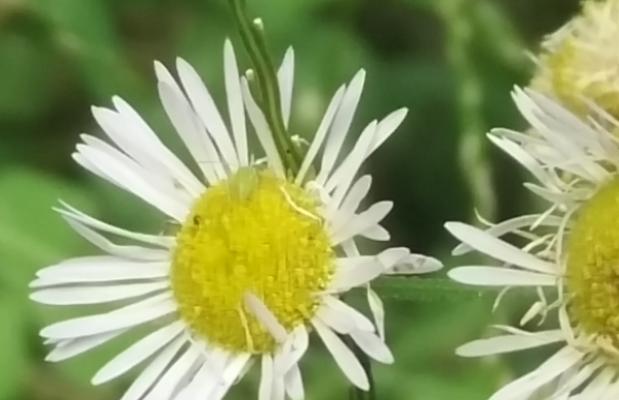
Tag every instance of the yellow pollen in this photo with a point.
(251, 234)
(593, 264)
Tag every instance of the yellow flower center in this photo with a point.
(593, 264)
(580, 61)
(251, 234)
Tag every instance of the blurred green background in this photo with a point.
(452, 62)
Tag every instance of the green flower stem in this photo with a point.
(253, 39)
(473, 149)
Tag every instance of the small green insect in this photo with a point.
(243, 183)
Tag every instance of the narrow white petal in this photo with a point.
(415, 264)
(511, 225)
(191, 132)
(341, 180)
(101, 269)
(266, 378)
(235, 103)
(345, 311)
(123, 318)
(496, 248)
(320, 134)
(363, 221)
(355, 271)
(377, 233)
(509, 343)
(387, 126)
(151, 373)
(294, 384)
(79, 216)
(265, 137)
(341, 124)
(164, 388)
(230, 375)
(373, 346)
(72, 347)
(130, 252)
(351, 202)
(499, 276)
(378, 311)
(265, 316)
(128, 178)
(343, 356)
(137, 352)
(96, 294)
(285, 78)
(207, 111)
(561, 361)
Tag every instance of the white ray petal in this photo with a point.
(128, 178)
(191, 132)
(130, 252)
(265, 316)
(386, 127)
(343, 356)
(100, 269)
(206, 109)
(125, 317)
(266, 378)
(341, 124)
(230, 375)
(285, 78)
(550, 369)
(415, 264)
(151, 373)
(73, 213)
(357, 320)
(176, 372)
(351, 202)
(265, 136)
(510, 225)
(378, 311)
(500, 276)
(509, 343)
(341, 180)
(138, 352)
(373, 346)
(66, 349)
(320, 134)
(355, 271)
(294, 384)
(360, 222)
(236, 110)
(95, 295)
(496, 248)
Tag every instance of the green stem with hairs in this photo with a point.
(253, 39)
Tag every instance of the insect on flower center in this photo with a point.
(593, 264)
(255, 234)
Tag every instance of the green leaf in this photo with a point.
(13, 347)
(417, 289)
(31, 234)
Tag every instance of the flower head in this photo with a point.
(260, 257)
(579, 60)
(568, 253)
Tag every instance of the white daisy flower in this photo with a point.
(569, 254)
(260, 259)
(579, 60)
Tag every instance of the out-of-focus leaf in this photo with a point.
(13, 346)
(85, 29)
(421, 289)
(31, 234)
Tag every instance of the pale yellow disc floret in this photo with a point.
(593, 265)
(580, 60)
(256, 234)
